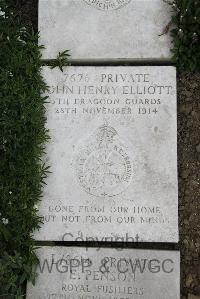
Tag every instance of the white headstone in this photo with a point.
(112, 155)
(105, 29)
(80, 273)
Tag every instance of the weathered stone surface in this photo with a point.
(74, 273)
(105, 29)
(112, 155)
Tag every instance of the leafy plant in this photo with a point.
(22, 139)
(186, 34)
(61, 60)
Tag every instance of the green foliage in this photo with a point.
(22, 138)
(186, 34)
(61, 60)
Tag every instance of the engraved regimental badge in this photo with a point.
(107, 4)
(102, 164)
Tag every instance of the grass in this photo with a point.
(22, 139)
(186, 34)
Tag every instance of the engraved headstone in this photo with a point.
(112, 155)
(80, 273)
(105, 29)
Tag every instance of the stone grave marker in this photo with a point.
(112, 154)
(105, 29)
(88, 273)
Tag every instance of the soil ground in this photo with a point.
(188, 88)
(189, 181)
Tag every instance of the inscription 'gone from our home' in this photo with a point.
(112, 155)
